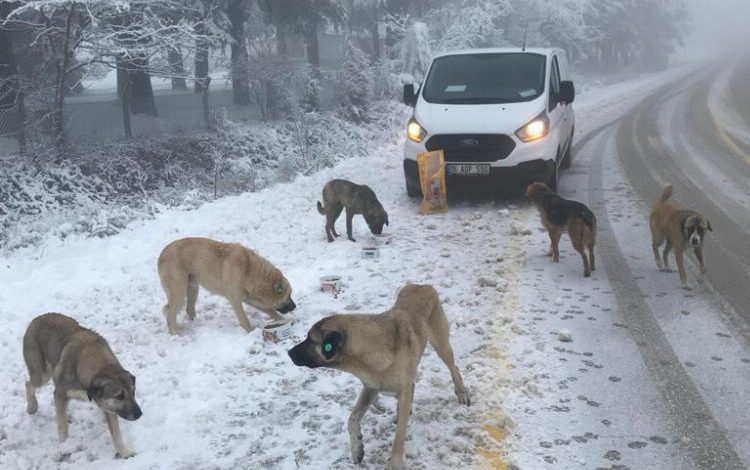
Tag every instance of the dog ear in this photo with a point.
(96, 387)
(708, 225)
(684, 226)
(332, 343)
(386, 219)
(132, 378)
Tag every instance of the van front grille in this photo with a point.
(472, 147)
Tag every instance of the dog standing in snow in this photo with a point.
(356, 199)
(559, 214)
(681, 229)
(227, 269)
(81, 365)
(383, 351)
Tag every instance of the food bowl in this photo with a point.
(370, 251)
(277, 332)
(383, 239)
(331, 284)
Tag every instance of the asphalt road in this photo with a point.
(695, 345)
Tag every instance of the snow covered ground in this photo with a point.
(215, 397)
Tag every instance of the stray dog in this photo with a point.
(383, 351)
(227, 269)
(81, 365)
(680, 229)
(356, 199)
(559, 214)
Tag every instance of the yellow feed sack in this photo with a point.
(432, 180)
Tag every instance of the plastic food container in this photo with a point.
(370, 251)
(331, 284)
(277, 332)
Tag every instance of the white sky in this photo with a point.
(719, 25)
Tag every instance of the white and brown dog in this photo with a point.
(681, 229)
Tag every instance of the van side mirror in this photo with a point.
(410, 96)
(567, 92)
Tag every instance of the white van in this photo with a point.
(503, 117)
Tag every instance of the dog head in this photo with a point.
(266, 288)
(536, 190)
(694, 229)
(113, 390)
(323, 347)
(376, 219)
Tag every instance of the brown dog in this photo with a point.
(81, 365)
(356, 199)
(680, 229)
(559, 214)
(227, 269)
(383, 351)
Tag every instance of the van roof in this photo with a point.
(546, 51)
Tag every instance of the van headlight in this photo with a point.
(415, 132)
(535, 129)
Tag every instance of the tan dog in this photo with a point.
(227, 269)
(81, 365)
(383, 351)
(559, 214)
(680, 229)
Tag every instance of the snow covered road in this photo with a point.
(656, 377)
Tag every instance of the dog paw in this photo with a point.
(358, 450)
(352, 239)
(396, 463)
(124, 454)
(587, 274)
(463, 397)
(330, 240)
(31, 407)
(666, 270)
(687, 286)
(703, 270)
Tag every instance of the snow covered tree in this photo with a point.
(354, 84)
(415, 51)
(124, 35)
(367, 15)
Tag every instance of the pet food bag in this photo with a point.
(432, 180)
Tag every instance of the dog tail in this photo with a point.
(590, 237)
(666, 193)
(321, 210)
(588, 218)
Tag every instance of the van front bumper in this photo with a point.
(500, 178)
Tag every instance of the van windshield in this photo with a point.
(485, 78)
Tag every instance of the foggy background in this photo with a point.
(717, 26)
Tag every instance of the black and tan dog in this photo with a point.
(559, 214)
(81, 365)
(680, 229)
(383, 351)
(356, 199)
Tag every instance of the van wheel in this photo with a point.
(554, 178)
(413, 192)
(567, 159)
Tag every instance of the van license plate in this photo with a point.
(468, 169)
